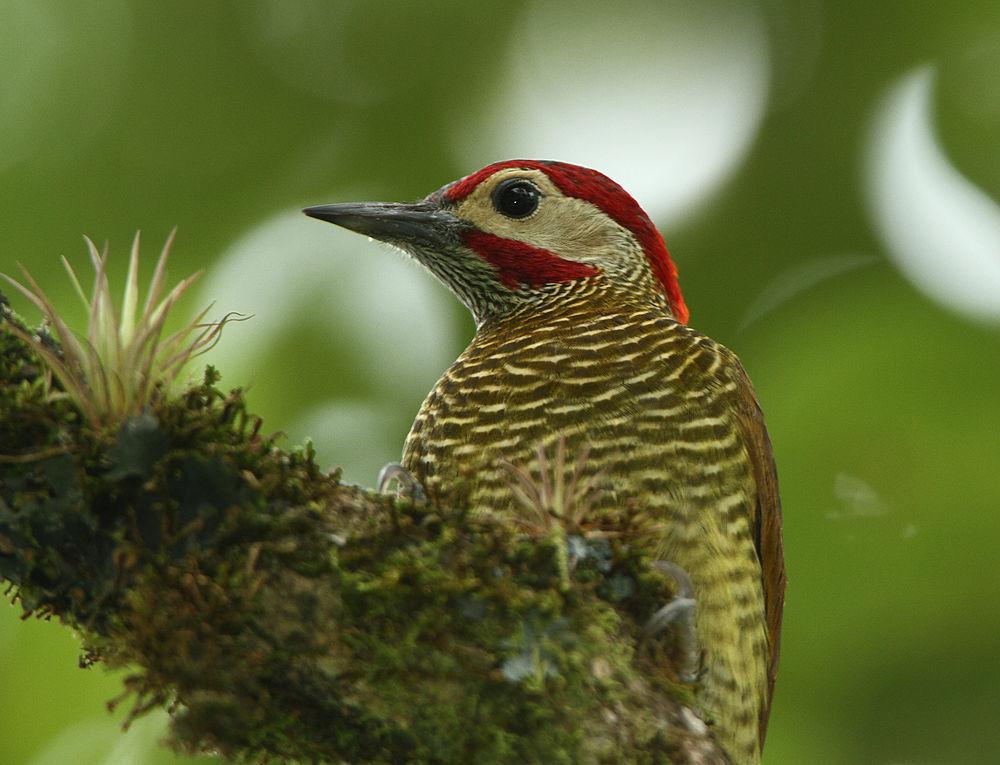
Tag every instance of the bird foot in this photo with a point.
(406, 485)
(679, 614)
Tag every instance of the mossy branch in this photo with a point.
(279, 614)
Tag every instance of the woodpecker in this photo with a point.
(582, 337)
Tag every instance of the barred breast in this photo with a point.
(656, 403)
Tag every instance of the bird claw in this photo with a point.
(679, 612)
(406, 485)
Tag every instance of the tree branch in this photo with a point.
(277, 613)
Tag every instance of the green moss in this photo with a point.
(280, 614)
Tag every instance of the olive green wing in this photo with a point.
(765, 523)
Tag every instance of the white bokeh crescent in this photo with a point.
(664, 97)
(941, 231)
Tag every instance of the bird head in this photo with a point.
(522, 232)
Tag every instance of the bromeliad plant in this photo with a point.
(123, 362)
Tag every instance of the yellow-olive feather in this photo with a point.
(671, 422)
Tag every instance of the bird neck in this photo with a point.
(567, 303)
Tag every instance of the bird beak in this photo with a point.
(422, 224)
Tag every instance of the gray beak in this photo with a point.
(423, 224)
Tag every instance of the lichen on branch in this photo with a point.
(279, 614)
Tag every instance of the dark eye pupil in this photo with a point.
(516, 199)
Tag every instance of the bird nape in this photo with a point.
(582, 343)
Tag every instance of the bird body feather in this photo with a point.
(673, 428)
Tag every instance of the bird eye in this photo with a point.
(516, 198)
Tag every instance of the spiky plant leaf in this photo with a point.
(123, 361)
(550, 499)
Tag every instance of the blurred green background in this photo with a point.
(826, 175)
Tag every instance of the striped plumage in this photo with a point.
(658, 405)
(578, 339)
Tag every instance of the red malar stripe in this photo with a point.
(519, 263)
